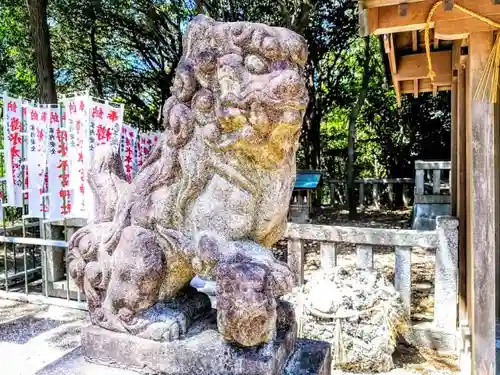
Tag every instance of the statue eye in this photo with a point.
(256, 64)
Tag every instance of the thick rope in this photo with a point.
(432, 74)
(492, 23)
(339, 355)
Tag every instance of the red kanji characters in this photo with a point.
(61, 135)
(40, 134)
(62, 149)
(34, 115)
(66, 208)
(97, 112)
(72, 107)
(44, 116)
(54, 117)
(12, 107)
(15, 124)
(101, 132)
(62, 164)
(15, 138)
(15, 153)
(113, 116)
(82, 105)
(65, 194)
(64, 177)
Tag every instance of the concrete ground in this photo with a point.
(45, 340)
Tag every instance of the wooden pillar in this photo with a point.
(481, 218)
(454, 138)
(460, 181)
(497, 207)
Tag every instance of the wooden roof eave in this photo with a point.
(367, 4)
(408, 68)
(384, 17)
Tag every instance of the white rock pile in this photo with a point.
(358, 311)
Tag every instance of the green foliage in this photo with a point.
(127, 50)
(17, 68)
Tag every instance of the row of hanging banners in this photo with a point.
(48, 149)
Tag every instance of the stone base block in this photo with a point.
(428, 336)
(310, 357)
(204, 352)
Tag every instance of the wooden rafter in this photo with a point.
(414, 40)
(391, 52)
(447, 24)
(424, 85)
(414, 66)
(384, 3)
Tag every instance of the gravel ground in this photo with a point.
(407, 359)
(44, 340)
(423, 261)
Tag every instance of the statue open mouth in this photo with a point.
(224, 166)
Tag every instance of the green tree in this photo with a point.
(17, 68)
(40, 36)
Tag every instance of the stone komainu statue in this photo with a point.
(211, 198)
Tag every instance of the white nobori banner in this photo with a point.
(13, 148)
(37, 161)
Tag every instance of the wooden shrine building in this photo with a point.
(432, 46)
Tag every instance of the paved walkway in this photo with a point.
(45, 340)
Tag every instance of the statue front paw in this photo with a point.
(246, 307)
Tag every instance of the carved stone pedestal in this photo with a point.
(202, 351)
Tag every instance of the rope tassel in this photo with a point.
(488, 84)
(338, 345)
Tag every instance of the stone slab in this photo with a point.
(428, 336)
(201, 352)
(424, 215)
(310, 358)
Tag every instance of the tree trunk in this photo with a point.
(351, 196)
(95, 50)
(41, 44)
(315, 142)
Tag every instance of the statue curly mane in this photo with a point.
(223, 171)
